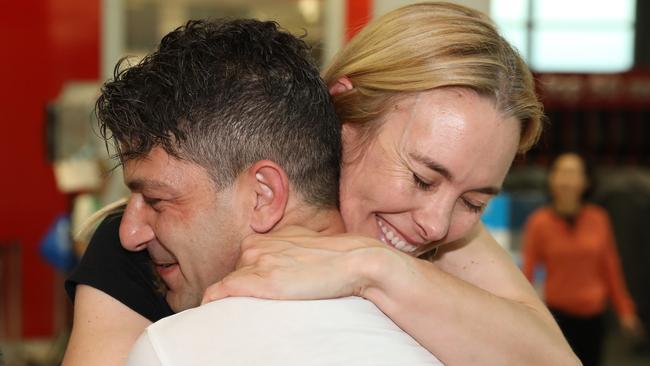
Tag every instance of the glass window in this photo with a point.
(569, 36)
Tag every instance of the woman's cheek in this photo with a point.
(461, 226)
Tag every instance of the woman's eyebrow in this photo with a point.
(493, 191)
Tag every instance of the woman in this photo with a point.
(399, 132)
(435, 105)
(575, 243)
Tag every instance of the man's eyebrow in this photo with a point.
(440, 169)
(137, 185)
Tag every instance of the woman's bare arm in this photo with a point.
(472, 307)
(103, 331)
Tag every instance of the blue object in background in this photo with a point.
(505, 217)
(56, 245)
(497, 213)
(496, 218)
(523, 204)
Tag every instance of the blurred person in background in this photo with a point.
(575, 243)
(434, 105)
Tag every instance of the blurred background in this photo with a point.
(591, 59)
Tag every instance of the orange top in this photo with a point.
(582, 265)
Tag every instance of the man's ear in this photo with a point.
(270, 185)
(341, 85)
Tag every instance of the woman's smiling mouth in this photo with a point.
(393, 239)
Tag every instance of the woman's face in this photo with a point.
(425, 176)
(567, 179)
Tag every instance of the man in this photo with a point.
(225, 131)
(217, 143)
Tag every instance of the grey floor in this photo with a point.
(622, 351)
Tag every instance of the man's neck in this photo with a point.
(326, 221)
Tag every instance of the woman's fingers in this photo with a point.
(294, 263)
(296, 274)
(264, 243)
(240, 283)
(632, 325)
(215, 292)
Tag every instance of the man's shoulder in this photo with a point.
(347, 309)
(348, 330)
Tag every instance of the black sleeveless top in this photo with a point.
(127, 276)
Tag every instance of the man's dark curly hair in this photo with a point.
(225, 94)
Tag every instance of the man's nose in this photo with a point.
(433, 220)
(135, 231)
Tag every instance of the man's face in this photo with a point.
(192, 232)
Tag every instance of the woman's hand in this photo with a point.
(298, 264)
(632, 326)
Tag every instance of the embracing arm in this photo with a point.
(472, 306)
(104, 329)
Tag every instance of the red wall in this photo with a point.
(42, 43)
(358, 14)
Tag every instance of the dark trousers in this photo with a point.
(584, 334)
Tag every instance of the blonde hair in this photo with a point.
(87, 228)
(433, 45)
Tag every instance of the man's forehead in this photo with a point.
(160, 171)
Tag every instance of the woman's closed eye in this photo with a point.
(421, 183)
(473, 207)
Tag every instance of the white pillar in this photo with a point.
(172, 15)
(334, 28)
(112, 36)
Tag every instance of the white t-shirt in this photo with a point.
(248, 331)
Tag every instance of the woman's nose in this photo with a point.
(135, 230)
(434, 219)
